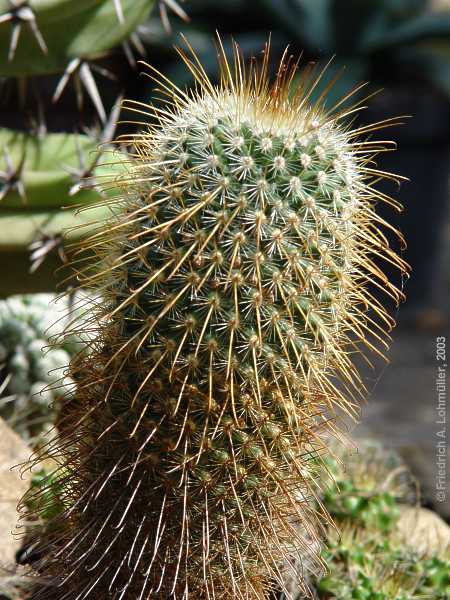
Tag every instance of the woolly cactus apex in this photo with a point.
(233, 278)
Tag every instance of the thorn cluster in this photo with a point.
(233, 281)
(10, 179)
(21, 14)
(60, 36)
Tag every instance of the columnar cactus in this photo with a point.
(233, 278)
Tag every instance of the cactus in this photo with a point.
(70, 37)
(38, 40)
(47, 169)
(234, 278)
(31, 372)
(63, 31)
(367, 564)
(39, 175)
(374, 555)
(13, 583)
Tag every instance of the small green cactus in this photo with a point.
(31, 372)
(371, 565)
(233, 277)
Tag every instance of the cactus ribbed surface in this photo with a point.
(47, 169)
(233, 280)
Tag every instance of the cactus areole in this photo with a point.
(233, 278)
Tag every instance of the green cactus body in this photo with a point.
(45, 171)
(67, 30)
(232, 282)
(50, 10)
(28, 365)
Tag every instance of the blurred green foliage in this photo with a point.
(365, 558)
(378, 40)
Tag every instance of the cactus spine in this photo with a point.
(232, 278)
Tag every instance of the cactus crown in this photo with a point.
(232, 278)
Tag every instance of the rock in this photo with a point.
(14, 582)
(13, 451)
(423, 531)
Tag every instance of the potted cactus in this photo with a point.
(232, 281)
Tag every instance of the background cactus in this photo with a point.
(30, 370)
(13, 583)
(233, 279)
(48, 169)
(41, 175)
(67, 33)
(48, 50)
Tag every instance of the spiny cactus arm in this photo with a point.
(86, 33)
(174, 6)
(49, 9)
(233, 292)
(44, 172)
(21, 229)
(11, 176)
